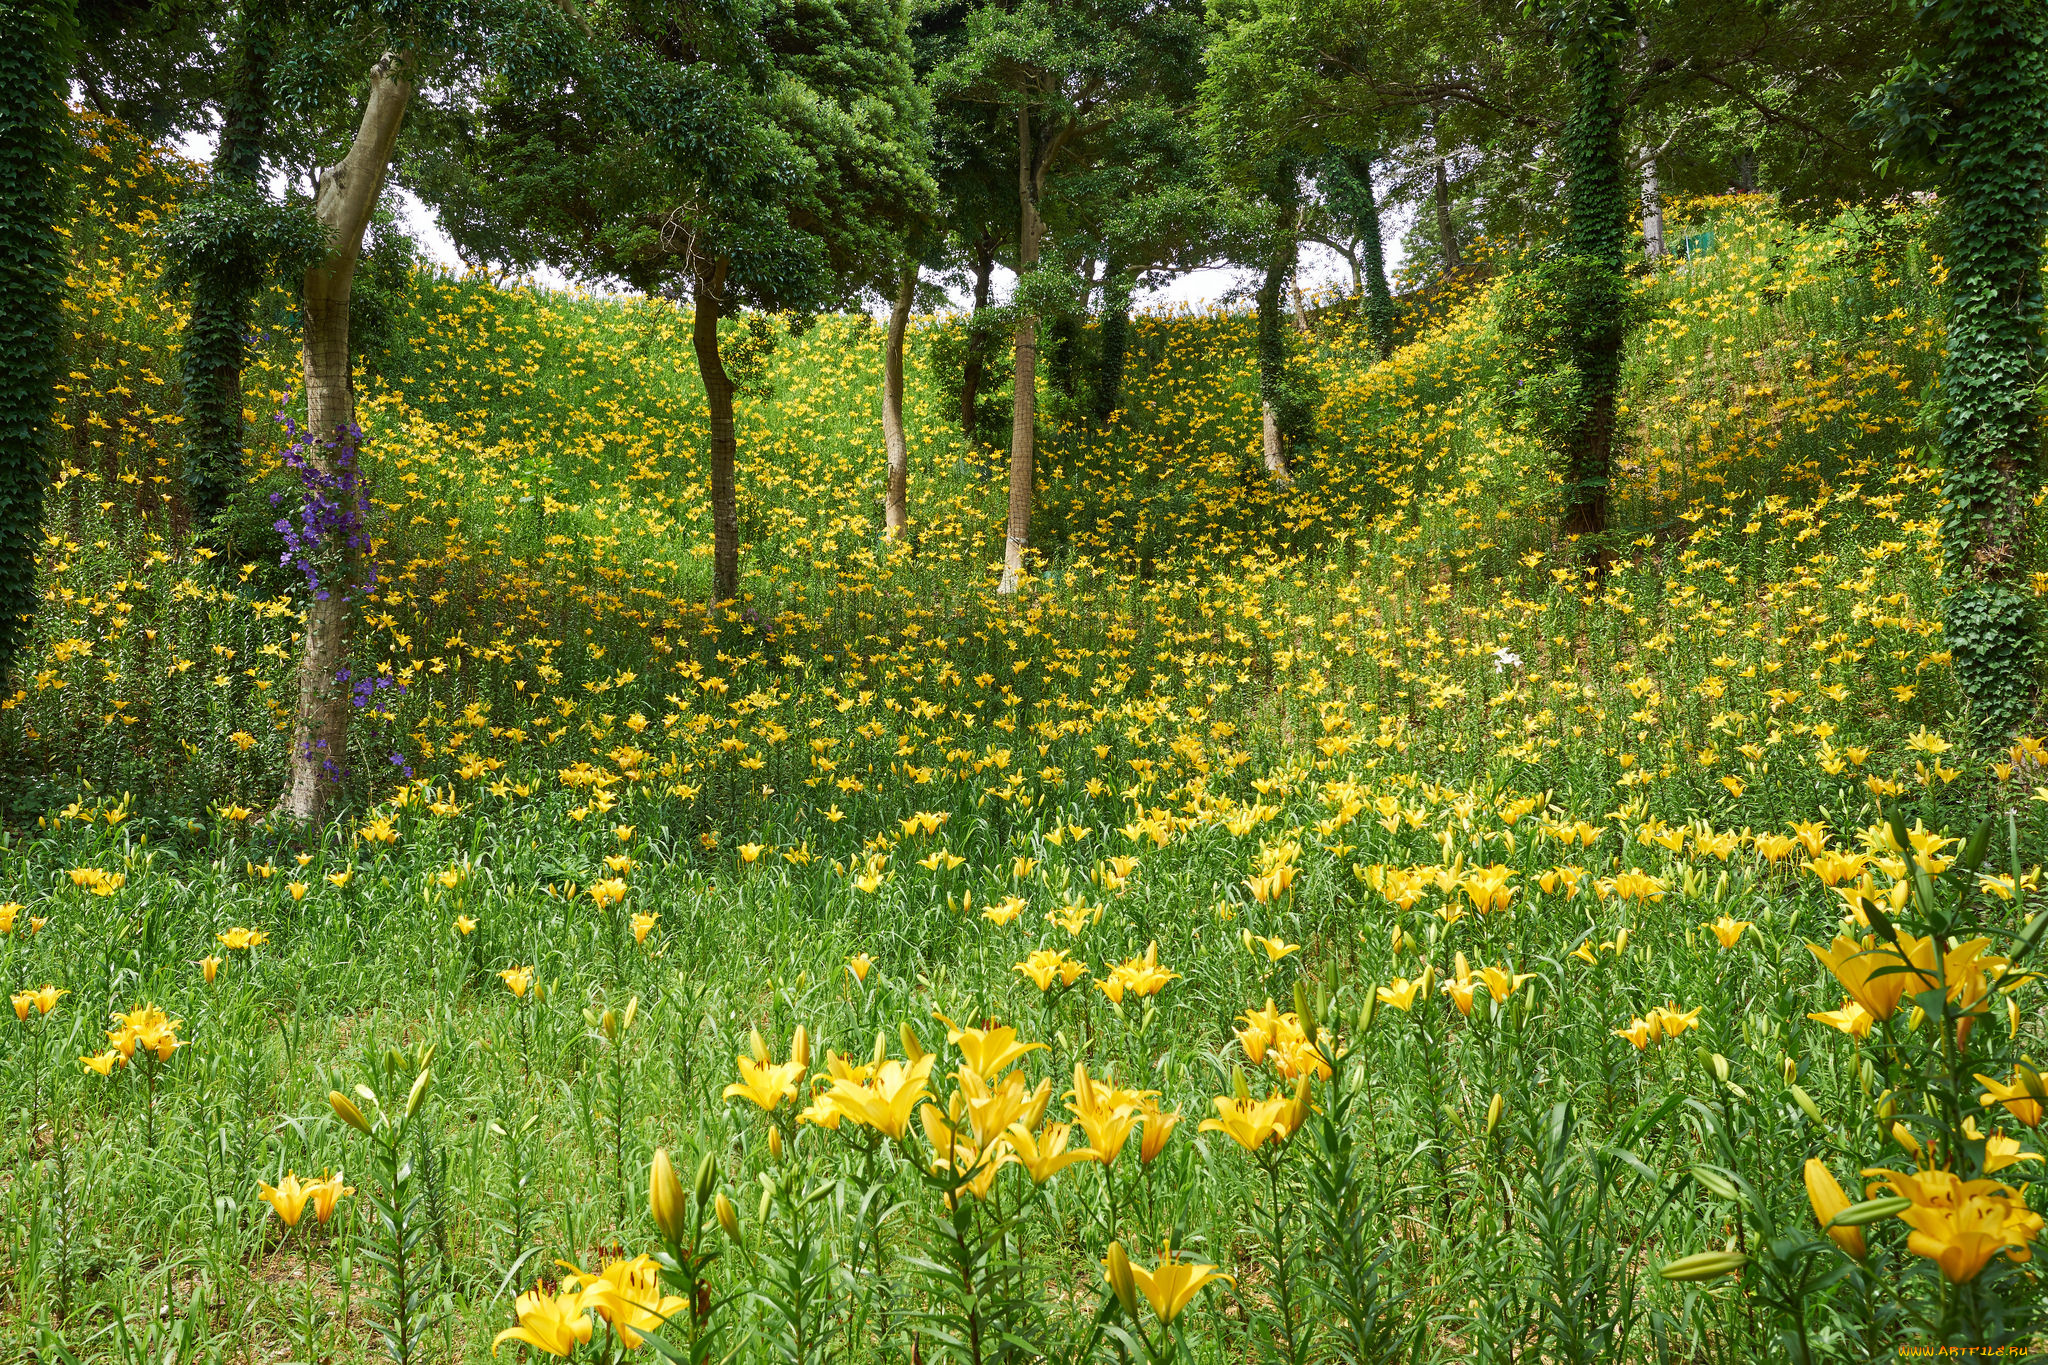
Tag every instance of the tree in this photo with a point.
(1592, 291)
(34, 153)
(896, 503)
(1066, 74)
(771, 154)
(332, 536)
(515, 37)
(1353, 208)
(223, 242)
(1969, 109)
(1285, 413)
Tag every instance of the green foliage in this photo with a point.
(224, 243)
(1554, 315)
(1971, 109)
(942, 353)
(34, 152)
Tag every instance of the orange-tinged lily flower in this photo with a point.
(1961, 1224)
(2022, 1096)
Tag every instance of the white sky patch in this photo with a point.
(1320, 269)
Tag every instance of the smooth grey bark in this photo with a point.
(896, 510)
(1024, 405)
(343, 200)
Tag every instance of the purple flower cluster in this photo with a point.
(361, 690)
(333, 511)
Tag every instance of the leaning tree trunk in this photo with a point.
(976, 359)
(1024, 406)
(223, 289)
(896, 512)
(708, 289)
(346, 194)
(34, 151)
(1597, 198)
(1990, 433)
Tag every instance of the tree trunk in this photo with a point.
(1990, 433)
(1447, 231)
(977, 342)
(1379, 300)
(1024, 407)
(1597, 199)
(1116, 341)
(707, 289)
(1272, 346)
(222, 290)
(1653, 193)
(896, 512)
(35, 150)
(1653, 209)
(347, 193)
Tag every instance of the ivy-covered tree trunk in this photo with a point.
(34, 150)
(343, 202)
(1990, 434)
(1279, 265)
(1024, 405)
(224, 286)
(976, 359)
(1371, 267)
(707, 293)
(896, 508)
(1115, 342)
(1598, 200)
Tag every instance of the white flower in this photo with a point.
(1505, 659)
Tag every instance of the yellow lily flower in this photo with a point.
(1851, 1019)
(1825, 1193)
(1273, 948)
(767, 1084)
(2022, 1096)
(1169, 1286)
(288, 1198)
(556, 1325)
(1046, 1157)
(1961, 1224)
(1729, 930)
(988, 1052)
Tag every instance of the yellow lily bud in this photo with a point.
(728, 1216)
(345, 1110)
(1493, 1113)
(665, 1197)
(1707, 1265)
(707, 1172)
(775, 1144)
(758, 1046)
(1118, 1268)
(800, 1047)
(419, 1093)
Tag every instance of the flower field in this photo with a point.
(1330, 924)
